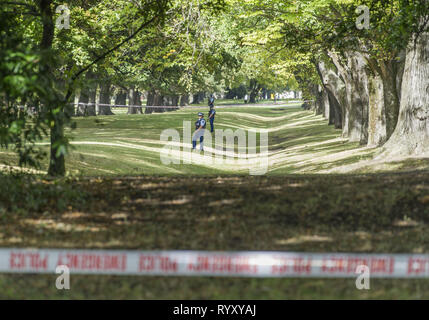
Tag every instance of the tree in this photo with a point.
(411, 136)
(140, 15)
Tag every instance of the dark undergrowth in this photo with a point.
(318, 213)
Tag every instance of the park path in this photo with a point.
(299, 142)
(309, 152)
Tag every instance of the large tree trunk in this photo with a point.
(82, 107)
(155, 99)
(319, 103)
(91, 109)
(184, 100)
(358, 131)
(87, 98)
(377, 116)
(391, 72)
(357, 100)
(254, 90)
(326, 106)
(159, 101)
(121, 98)
(149, 102)
(173, 101)
(105, 92)
(198, 97)
(57, 160)
(411, 135)
(135, 100)
(335, 111)
(335, 89)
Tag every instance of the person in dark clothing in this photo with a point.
(212, 113)
(211, 101)
(200, 126)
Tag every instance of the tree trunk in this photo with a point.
(105, 91)
(198, 97)
(411, 135)
(92, 95)
(376, 117)
(359, 99)
(82, 107)
(121, 98)
(335, 111)
(156, 99)
(319, 103)
(173, 102)
(57, 160)
(149, 102)
(184, 100)
(254, 90)
(356, 93)
(326, 104)
(391, 72)
(135, 100)
(159, 101)
(335, 89)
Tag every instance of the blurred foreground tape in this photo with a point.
(204, 263)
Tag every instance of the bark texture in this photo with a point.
(133, 101)
(352, 69)
(377, 119)
(411, 135)
(335, 90)
(105, 93)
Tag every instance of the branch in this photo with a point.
(33, 8)
(104, 55)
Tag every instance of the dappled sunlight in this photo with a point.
(51, 224)
(304, 239)
(158, 202)
(299, 142)
(223, 202)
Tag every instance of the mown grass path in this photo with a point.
(353, 213)
(130, 200)
(299, 142)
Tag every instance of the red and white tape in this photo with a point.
(202, 263)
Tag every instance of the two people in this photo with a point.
(200, 125)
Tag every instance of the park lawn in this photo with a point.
(118, 195)
(384, 213)
(299, 142)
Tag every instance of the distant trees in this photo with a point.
(370, 82)
(364, 63)
(55, 70)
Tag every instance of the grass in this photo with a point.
(130, 144)
(118, 195)
(357, 213)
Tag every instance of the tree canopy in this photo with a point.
(172, 49)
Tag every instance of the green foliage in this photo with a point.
(21, 85)
(174, 47)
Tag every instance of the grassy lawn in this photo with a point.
(359, 213)
(299, 142)
(120, 196)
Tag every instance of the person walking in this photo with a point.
(211, 101)
(200, 126)
(212, 113)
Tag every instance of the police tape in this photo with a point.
(122, 105)
(183, 107)
(204, 263)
